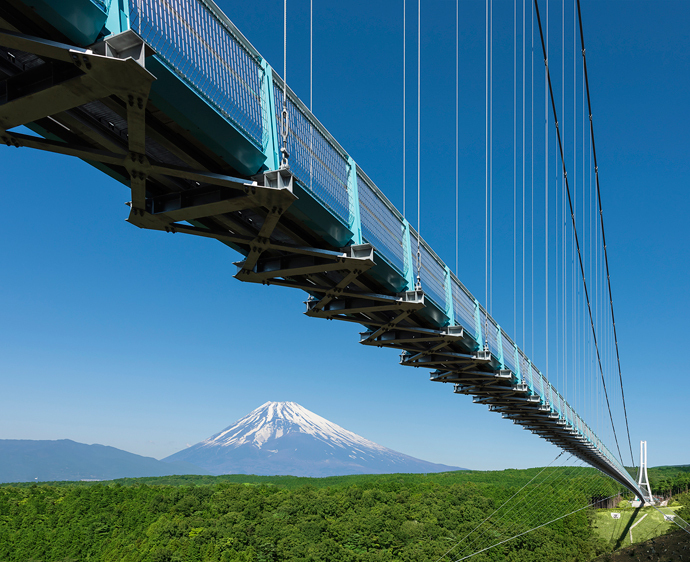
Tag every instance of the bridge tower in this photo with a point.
(643, 478)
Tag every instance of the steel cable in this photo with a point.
(601, 218)
(498, 508)
(535, 508)
(526, 532)
(572, 214)
(419, 143)
(457, 88)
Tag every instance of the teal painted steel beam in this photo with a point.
(118, 17)
(478, 325)
(270, 121)
(450, 311)
(407, 249)
(353, 195)
(517, 362)
(499, 343)
(82, 21)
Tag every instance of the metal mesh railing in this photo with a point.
(205, 54)
(463, 307)
(433, 272)
(492, 333)
(509, 353)
(381, 225)
(315, 162)
(525, 370)
(433, 276)
(538, 381)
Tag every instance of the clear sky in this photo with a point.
(144, 341)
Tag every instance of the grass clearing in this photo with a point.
(644, 524)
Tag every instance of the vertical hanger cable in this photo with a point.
(515, 168)
(311, 53)
(486, 171)
(457, 82)
(523, 175)
(546, 200)
(283, 150)
(491, 158)
(601, 217)
(419, 143)
(572, 214)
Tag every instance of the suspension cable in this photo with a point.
(531, 511)
(572, 216)
(530, 530)
(500, 507)
(601, 217)
(404, 102)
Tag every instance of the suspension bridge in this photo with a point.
(169, 98)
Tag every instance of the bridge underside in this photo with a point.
(95, 104)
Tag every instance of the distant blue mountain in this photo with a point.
(46, 461)
(285, 438)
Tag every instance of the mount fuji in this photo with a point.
(285, 438)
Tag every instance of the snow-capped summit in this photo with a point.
(276, 419)
(285, 438)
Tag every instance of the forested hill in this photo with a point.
(387, 517)
(670, 480)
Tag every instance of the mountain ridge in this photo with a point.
(24, 460)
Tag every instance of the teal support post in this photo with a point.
(407, 248)
(355, 220)
(270, 121)
(531, 381)
(450, 309)
(478, 325)
(499, 343)
(517, 363)
(118, 17)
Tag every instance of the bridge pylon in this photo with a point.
(643, 478)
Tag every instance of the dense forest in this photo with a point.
(669, 480)
(248, 518)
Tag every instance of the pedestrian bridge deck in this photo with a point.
(170, 99)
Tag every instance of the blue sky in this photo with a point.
(144, 341)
